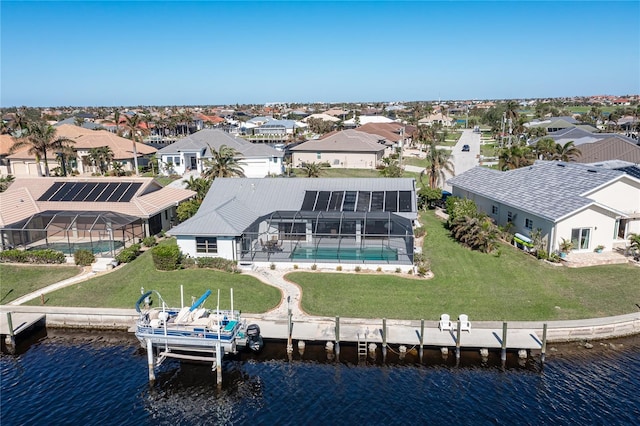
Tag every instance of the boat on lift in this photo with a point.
(193, 332)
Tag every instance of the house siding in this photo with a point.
(600, 221)
(345, 160)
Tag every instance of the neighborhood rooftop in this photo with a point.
(232, 204)
(549, 189)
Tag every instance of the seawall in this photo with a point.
(321, 328)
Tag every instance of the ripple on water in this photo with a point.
(79, 381)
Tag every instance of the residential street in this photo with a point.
(464, 161)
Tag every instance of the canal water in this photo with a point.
(72, 378)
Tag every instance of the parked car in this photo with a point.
(465, 148)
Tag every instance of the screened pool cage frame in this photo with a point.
(329, 237)
(104, 233)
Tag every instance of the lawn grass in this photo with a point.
(121, 288)
(414, 161)
(488, 150)
(353, 173)
(18, 280)
(511, 286)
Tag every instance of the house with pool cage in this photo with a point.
(98, 214)
(323, 221)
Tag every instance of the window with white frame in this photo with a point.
(206, 245)
(528, 223)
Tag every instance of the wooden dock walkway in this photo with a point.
(15, 325)
(399, 333)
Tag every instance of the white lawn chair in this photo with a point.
(465, 325)
(445, 322)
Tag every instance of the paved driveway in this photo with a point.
(464, 161)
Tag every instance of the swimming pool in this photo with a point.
(70, 248)
(347, 253)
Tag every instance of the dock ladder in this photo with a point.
(362, 347)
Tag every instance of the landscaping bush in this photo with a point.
(420, 232)
(129, 254)
(166, 258)
(47, 256)
(217, 263)
(189, 263)
(84, 257)
(149, 241)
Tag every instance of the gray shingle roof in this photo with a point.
(344, 141)
(548, 189)
(216, 138)
(232, 204)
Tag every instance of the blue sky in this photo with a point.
(186, 53)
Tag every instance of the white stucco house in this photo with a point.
(189, 153)
(315, 221)
(588, 205)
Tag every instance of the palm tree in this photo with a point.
(223, 163)
(116, 118)
(545, 149)
(438, 163)
(41, 137)
(567, 152)
(132, 127)
(199, 185)
(101, 158)
(312, 170)
(5, 181)
(514, 157)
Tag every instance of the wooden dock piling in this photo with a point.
(544, 343)
(337, 332)
(421, 350)
(458, 334)
(384, 339)
(10, 340)
(150, 362)
(503, 351)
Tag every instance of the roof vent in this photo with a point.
(592, 171)
(561, 165)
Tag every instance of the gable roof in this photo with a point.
(23, 198)
(232, 204)
(344, 141)
(580, 136)
(609, 149)
(547, 189)
(389, 131)
(202, 140)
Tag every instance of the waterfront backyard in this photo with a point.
(510, 286)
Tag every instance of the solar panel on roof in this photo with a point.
(391, 201)
(404, 201)
(377, 201)
(52, 190)
(349, 204)
(82, 194)
(336, 200)
(72, 191)
(62, 192)
(323, 200)
(128, 194)
(363, 201)
(117, 193)
(97, 190)
(309, 200)
(107, 192)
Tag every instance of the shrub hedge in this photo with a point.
(149, 241)
(47, 256)
(166, 257)
(84, 257)
(217, 263)
(128, 254)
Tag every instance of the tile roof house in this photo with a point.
(588, 205)
(186, 154)
(437, 118)
(612, 148)
(321, 220)
(142, 203)
(24, 164)
(349, 149)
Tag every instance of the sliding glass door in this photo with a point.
(580, 238)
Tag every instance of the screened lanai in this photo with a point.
(329, 236)
(104, 233)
